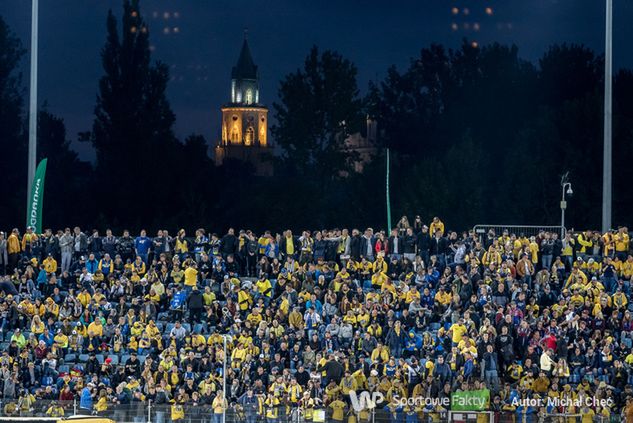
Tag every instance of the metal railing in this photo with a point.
(148, 412)
(527, 230)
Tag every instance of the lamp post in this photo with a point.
(566, 190)
(32, 152)
(607, 168)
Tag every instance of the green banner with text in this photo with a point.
(36, 199)
(470, 400)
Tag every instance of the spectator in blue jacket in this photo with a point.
(85, 400)
(142, 245)
(92, 265)
(396, 339)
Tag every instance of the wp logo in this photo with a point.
(365, 400)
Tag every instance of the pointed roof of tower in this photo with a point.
(245, 67)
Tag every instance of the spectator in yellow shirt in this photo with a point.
(191, 275)
(338, 410)
(96, 328)
(457, 330)
(622, 243)
(436, 225)
(378, 279)
(50, 264)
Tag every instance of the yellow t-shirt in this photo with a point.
(337, 410)
(191, 276)
(458, 332)
(290, 245)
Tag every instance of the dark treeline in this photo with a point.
(477, 135)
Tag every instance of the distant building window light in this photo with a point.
(454, 26)
(166, 30)
(454, 11)
(466, 11)
(176, 30)
(474, 44)
(176, 15)
(166, 15)
(489, 11)
(476, 26)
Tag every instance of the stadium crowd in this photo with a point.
(112, 320)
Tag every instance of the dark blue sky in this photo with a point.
(205, 36)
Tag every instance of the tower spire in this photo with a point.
(245, 33)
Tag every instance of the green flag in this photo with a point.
(36, 199)
(470, 400)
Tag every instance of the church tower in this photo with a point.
(244, 118)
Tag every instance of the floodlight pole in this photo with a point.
(32, 153)
(607, 167)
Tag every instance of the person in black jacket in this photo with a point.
(50, 245)
(125, 246)
(251, 255)
(333, 370)
(439, 245)
(229, 243)
(195, 303)
(354, 245)
(92, 366)
(409, 242)
(424, 244)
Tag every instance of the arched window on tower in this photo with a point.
(235, 132)
(235, 135)
(250, 136)
(249, 96)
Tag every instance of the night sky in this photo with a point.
(204, 37)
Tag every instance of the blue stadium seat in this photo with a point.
(114, 358)
(198, 328)
(142, 358)
(70, 358)
(83, 358)
(64, 368)
(187, 327)
(124, 358)
(100, 358)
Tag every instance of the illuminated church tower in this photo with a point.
(244, 119)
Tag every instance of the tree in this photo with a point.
(12, 134)
(132, 132)
(319, 107)
(67, 196)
